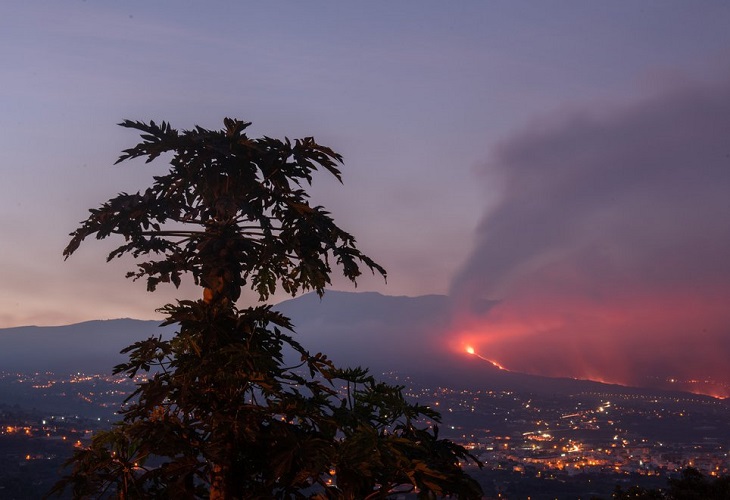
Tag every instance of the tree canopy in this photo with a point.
(690, 484)
(233, 406)
(232, 210)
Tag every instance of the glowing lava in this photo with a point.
(470, 350)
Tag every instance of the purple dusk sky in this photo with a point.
(569, 158)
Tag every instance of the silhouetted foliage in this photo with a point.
(691, 485)
(220, 413)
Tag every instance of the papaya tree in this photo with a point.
(232, 406)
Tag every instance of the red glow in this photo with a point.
(470, 350)
(639, 335)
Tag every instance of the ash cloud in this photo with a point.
(609, 251)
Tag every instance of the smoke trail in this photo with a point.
(610, 249)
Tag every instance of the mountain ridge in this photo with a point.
(385, 333)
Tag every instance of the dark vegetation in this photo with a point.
(223, 412)
(691, 485)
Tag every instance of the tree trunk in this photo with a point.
(219, 483)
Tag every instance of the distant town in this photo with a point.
(564, 446)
